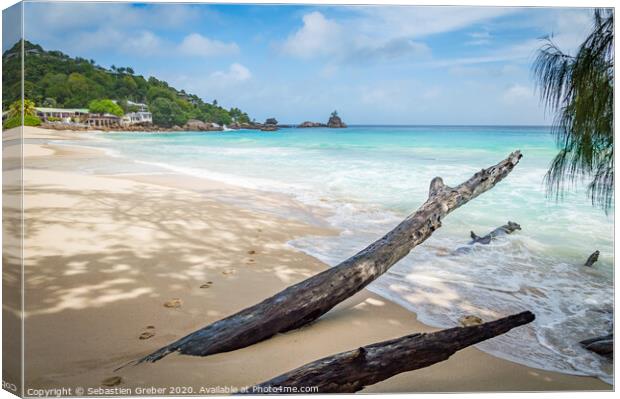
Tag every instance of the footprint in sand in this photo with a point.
(228, 272)
(251, 252)
(251, 261)
(149, 333)
(112, 381)
(174, 303)
(207, 284)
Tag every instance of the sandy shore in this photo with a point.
(104, 253)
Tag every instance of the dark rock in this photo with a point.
(271, 121)
(335, 121)
(308, 124)
(269, 128)
(195, 124)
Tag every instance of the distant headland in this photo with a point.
(66, 93)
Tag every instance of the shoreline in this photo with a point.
(332, 333)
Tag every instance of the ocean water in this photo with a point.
(369, 178)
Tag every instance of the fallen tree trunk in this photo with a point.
(508, 228)
(351, 371)
(604, 345)
(592, 259)
(306, 301)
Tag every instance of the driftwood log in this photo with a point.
(508, 228)
(603, 345)
(592, 259)
(306, 301)
(351, 371)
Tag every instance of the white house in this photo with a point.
(141, 116)
(133, 118)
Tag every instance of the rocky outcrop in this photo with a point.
(249, 125)
(196, 125)
(308, 124)
(335, 122)
(271, 125)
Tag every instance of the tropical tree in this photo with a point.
(15, 110)
(579, 89)
(167, 113)
(105, 106)
(14, 117)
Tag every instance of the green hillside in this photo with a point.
(54, 79)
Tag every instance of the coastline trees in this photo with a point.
(14, 117)
(167, 113)
(105, 106)
(54, 78)
(579, 89)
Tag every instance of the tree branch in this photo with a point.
(306, 301)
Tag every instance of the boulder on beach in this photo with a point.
(195, 124)
(200, 126)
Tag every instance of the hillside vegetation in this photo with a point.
(54, 79)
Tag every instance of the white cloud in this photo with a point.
(140, 42)
(516, 94)
(235, 73)
(196, 44)
(346, 42)
(80, 28)
(41, 18)
(570, 27)
(380, 33)
(424, 21)
(318, 36)
(481, 38)
(145, 42)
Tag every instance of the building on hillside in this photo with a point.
(64, 115)
(134, 118)
(102, 120)
(141, 116)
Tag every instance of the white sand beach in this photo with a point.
(104, 253)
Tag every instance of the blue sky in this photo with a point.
(374, 64)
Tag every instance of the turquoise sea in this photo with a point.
(369, 178)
